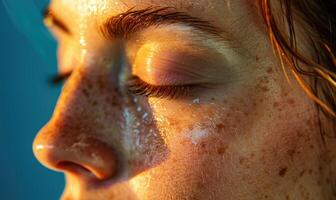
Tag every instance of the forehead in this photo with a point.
(84, 16)
(98, 9)
(96, 6)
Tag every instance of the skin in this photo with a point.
(248, 135)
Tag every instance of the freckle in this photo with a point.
(291, 153)
(283, 171)
(100, 84)
(257, 58)
(241, 160)
(276, 104)
(264, 88)
(269, 70)
(183, 142)
(266, 80)
(85, 92)
(89, 85)
(299, 134)
(221, 150)
(287, 197)
(108, 99)
(114, 104)
(200, 184)
(173, 160)
(310, 171)
(220, 127)
(213, 98)
(302, 173)
(291, 101)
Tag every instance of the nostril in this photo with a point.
(86, 171)
(75, 169)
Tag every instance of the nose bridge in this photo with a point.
(94, 85)
(86, 92)
(87, 101)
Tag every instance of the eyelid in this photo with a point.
(137, 86)
(166, 64)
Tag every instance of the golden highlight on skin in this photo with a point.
(119, 131)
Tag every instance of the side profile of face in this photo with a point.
(178, 99)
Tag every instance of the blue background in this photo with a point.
(27, 59)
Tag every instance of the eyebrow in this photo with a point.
(132, 21)
(50, 19)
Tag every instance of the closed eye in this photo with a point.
(137, 86)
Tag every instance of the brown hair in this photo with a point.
(317, 19)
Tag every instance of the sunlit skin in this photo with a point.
(240, 131)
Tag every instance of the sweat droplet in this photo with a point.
(196, 101)
(139, 109)
(197, 134)
(145, 115)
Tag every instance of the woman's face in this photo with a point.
(177, 100)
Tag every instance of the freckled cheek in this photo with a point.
(197, 146)
(196, 126)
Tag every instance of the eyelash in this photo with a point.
(58, 78)
(139, 87)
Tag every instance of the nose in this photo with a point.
(83, 157)
(73, 141)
